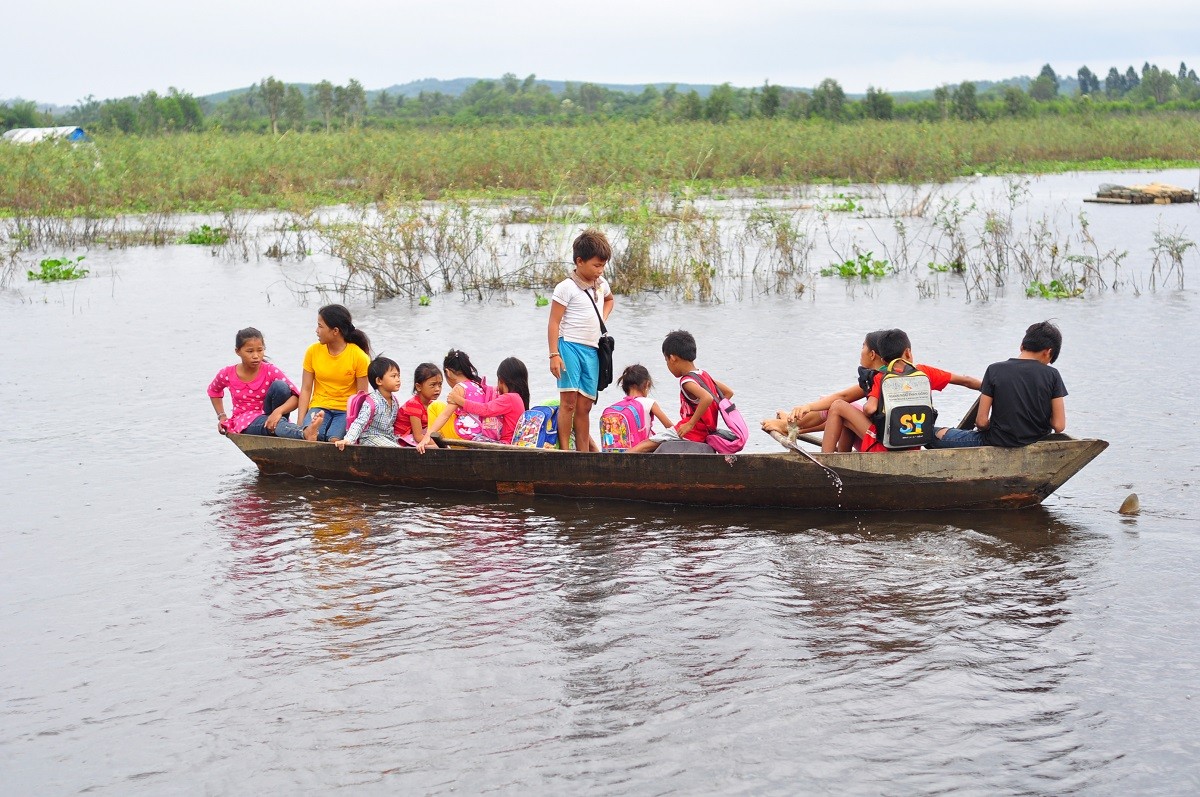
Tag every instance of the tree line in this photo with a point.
(274, 106)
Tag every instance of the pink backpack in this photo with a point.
(730, 440)
(354, 407)
(623, 425)
(470, 426)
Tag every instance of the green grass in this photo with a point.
(216, 171)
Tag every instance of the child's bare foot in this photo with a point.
(314, 426)
(775, 425)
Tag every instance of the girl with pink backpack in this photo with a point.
(631, 420)
(465, 385)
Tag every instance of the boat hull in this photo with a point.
(976, 478)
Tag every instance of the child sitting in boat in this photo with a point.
(376, 419)
(335, 368)
(1021, 400)
(262, 394)
(698, 410)
(414, 417)
(811, 417)
(466, 383)
(617, 432)
(509, 404)
(878, 417)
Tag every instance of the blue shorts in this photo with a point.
(333, 427)
(581, 368)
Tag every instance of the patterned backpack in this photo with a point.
(538, 428)
(623, 425)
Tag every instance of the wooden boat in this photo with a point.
(964, 478)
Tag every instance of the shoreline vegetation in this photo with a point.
(217, 171)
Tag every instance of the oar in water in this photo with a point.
(788, 444)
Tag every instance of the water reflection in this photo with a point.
(615, 619)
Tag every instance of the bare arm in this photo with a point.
(1058, 414)
(218, 403)
(662, 417)
(606, 307)
(556, 316)
(726, 389)
(418, 426)
(703, 400)
(850, 394)
(362, 385)
(438, 422)
(965, 381)
(306, 391)
(983, 416)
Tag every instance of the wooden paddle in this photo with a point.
(968, 420)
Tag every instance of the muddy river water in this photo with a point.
(173, 622)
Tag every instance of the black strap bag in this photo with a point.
(604, 348)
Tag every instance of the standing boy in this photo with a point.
(1022, 399)
(698, 410)
(574, 336)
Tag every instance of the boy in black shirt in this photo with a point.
(1022, 399)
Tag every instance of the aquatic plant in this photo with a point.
(205, 236)
(58, 269)
(863, 266)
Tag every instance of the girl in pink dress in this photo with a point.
(262, 394)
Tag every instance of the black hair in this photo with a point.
(337, 317)
(591, 243)
(459, 362)
(1041, 336)
(635, 376)
(243, 335)
(515, 376)
(681, 344)
(892, 344)
(872, 340)
(378, 370)
(424, 371)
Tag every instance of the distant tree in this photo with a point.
(294, 108)
(1089, 84)
(591, 97)
(770, 100)
(719, 105)
(356, 102)
(828, 100)
(1183, 71)
(879, 104)
(1131, 79)
(272, 92)
(149, 114)
(966, 101)
(529, 85)
(941, 100)
(691, 107)
(120, 115)
(341, 105)
(384, 105)
(20, 114)
(1114, 84)
(1016, 102)
(1045, 86)
(1158, 84)
(322, 94)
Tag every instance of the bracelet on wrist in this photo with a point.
(554, 354)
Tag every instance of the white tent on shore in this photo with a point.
(32, 135)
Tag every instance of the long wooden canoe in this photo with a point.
(964, 478)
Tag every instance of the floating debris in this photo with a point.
(1131, 505)
(1151, 194)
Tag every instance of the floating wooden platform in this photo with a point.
(1151, 194)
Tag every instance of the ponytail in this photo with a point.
(458, 361)
(337, 317)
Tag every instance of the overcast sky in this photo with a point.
(58, 51)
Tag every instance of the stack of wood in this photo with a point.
(1154, 193)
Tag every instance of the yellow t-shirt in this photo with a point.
(334, 377)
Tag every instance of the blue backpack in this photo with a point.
(538, 428)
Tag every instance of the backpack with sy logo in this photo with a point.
(623, 425)
(906, 415)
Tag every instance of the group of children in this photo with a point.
(346, 397)
(1021, 400)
